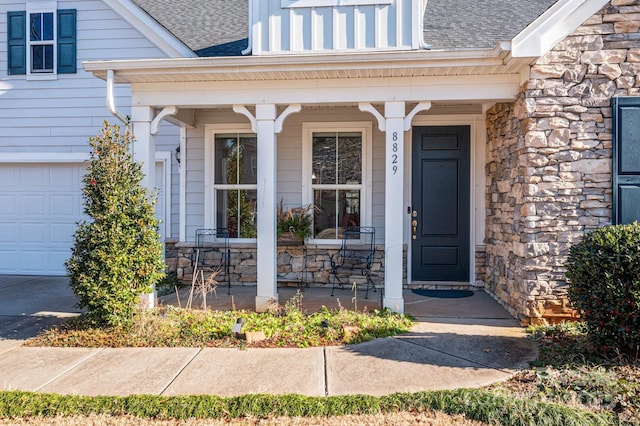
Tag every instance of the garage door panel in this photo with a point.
(64, 177)
(9, 233)
(8, 261)
(34, 233)
(32, 261)
(33, 205)
(62, 233)
(8, 205)
(8, 177)
(64, 205)
(34, 178)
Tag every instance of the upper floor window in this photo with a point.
(41, 42)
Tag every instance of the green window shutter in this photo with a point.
(67, 41)
(17, 42)
(626, 159)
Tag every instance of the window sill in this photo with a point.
(42, 77)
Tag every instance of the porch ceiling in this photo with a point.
(421, 63)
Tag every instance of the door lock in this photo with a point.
(414, 226)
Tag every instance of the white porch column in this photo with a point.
(144, 147)
(394, 205)
(266, 209)
(144, 152)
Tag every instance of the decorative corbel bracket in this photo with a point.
(367, 107)
(422, 106)
(166, 111)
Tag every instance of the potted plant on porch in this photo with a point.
(294, 223)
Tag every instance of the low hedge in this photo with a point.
(603, 270)
(473, 403)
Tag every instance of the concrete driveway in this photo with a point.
(30, 304)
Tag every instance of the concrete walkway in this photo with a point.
(468, 342)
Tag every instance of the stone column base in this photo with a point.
(263, 303)
(395, 304)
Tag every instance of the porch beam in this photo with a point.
(348, 90)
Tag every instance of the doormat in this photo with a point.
(442, 294)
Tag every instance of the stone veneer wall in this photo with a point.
(549, 166)
(291, 264)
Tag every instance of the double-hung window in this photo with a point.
(336, 172)
(235, 183)
(41, 41)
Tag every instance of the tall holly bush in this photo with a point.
(604, 284)
(117, 255)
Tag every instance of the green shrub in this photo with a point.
(604, 284)
(117, 255)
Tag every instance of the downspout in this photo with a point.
(249, 37)
(421, 11)
(111, 104)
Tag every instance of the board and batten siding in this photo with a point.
(60, 115)
(289, 158)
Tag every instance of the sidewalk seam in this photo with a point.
(453, 356)
(326, 373)
(180, 371)
(68, 370)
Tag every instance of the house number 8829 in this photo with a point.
(394, 157)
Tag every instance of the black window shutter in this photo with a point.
(626, 159)
(17, 42)
(67, 41)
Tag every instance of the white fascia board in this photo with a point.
(344, 90)
(282, 63)
(151, 29)
(560, 20)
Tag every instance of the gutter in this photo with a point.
(247, 51)
(111, 104)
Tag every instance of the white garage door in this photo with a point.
(40, 205)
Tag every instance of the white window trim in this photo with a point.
(331, 3)
(363, 127)
(46, 6)
(209, 174)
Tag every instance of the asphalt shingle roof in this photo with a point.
(477, 24)
(220, 27)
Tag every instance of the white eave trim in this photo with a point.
(560, 20)
(151, 29)
(301, 63)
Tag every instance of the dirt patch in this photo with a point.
(404, 418)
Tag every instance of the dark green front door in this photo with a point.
(440, 203)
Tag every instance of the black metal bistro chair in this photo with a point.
(212, 253)
(356, 255)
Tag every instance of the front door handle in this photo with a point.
(414, 225)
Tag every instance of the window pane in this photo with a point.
(47, 26)
(36, 26)
(349, 158)
(48, 57)
(337, 158)
(324, 158)
(335, 209)
(42, 58)
(236, 211)
(236, 159)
